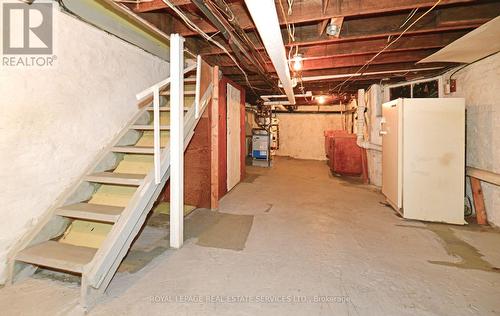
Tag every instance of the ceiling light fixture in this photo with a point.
(321, 99)
(297, 62)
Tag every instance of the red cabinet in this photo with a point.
(345, 157)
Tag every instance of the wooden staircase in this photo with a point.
(116, 193)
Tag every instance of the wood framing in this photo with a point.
(176, 141)
(214, 151)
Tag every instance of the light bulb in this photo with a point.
(321, 99)
(297, 62)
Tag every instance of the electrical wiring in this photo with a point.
(133, 1)
(195, 28)
(243, 36)
(225, 11)
(360, 70)
(412, 13)
(290, 29)
(290, 4)
(475, 61)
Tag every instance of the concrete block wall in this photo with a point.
(55, 121)
(479, 84)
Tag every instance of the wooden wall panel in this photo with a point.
(197, 164)
(222, 137)
(242, 134)
(214, 122)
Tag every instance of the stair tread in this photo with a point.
(186, 92)
(166, 108)
(150, 127)
(134, 149)
(97, 212)
(58, 255)
(116, 178)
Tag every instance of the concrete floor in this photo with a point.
(317, 245)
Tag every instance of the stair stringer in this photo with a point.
(32, 237)
(98, 273)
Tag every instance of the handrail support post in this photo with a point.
(176, 141)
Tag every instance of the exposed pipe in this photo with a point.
(265, 18)
(361, 123)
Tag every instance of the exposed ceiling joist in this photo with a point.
(309, 11)
(441, 20)
(265, 17)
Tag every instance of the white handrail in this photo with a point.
(198, 87)
(148, 91)
(155, 91)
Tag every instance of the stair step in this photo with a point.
(94, 212)
(116, 178)
(150, 127)
(133, 150)
(58, 255)
(190, 79)
(166, 108)
(187, 92)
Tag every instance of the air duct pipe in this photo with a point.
(361, 123)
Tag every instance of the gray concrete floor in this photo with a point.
(318, 245)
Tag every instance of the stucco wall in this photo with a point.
(301, 135)
(55, 121)
(479, 84)
(374, 115)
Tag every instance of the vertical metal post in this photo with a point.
(176, 141)
(156, 133)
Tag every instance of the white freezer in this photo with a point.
(423, 158)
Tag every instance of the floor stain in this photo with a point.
(138, 259)
(219, 230)
(268, 208)
(470, 257)
(250, 177)
(212, 229)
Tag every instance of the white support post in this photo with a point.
(198, 87)
(176, 141)
(156, 133)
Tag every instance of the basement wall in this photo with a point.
(479, 84)
(301, 135)
(55, 121)
(373, 116)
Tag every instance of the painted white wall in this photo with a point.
(479, 84)
(55, 121)
(301, 135)
(374, 115)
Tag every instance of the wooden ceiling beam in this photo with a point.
(373, 45)
(307, 11)
(370, 68)
(347, 60)
(155, 5)
(360, 60)
(448, 19)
